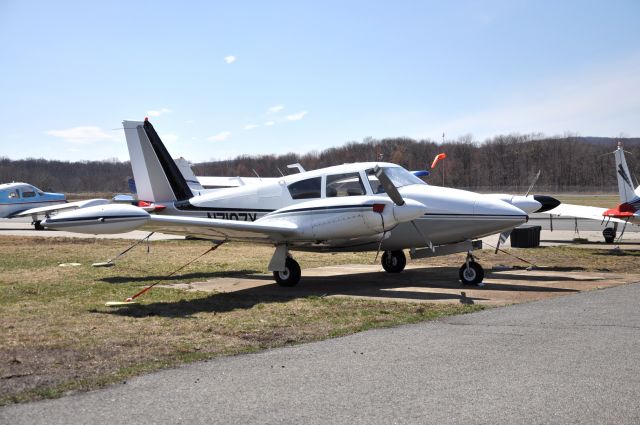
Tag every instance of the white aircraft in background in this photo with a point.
(367, 206)
(627, 212)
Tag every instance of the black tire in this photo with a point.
(393, 261)
(290, 276)
(37, 225)
(609, 234)
(472, 276)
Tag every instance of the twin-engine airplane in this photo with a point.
(627, 212)
(367, 206)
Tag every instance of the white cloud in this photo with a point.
(82, 135)
(297, 117)
(276, 108)
(250, 126)
(157, 113)
(223, 135)
(269, 123)
(230, 59)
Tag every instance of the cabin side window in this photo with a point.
(28, 194)
(348, 184)
(13, 194)
(305, 189)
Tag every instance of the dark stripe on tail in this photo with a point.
(174, 176)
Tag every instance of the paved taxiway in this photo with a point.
(573, 359)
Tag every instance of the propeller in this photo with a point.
(505, 235)
(393, 193)
(388, 185)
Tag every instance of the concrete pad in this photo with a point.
(418, 284)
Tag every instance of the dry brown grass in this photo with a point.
(56, 335)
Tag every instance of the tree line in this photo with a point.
(504, 163)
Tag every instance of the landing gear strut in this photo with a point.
(471, 273)
(290, 276)
(393, 261)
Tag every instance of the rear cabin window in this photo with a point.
(28, 194)
(348, 184)
(306, 189)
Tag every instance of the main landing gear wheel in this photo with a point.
(471, 273)
(609, 234)
(393, 261)
(37, 225)
(290, 276)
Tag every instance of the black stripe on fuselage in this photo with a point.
(187, 206)
(178, 184)
(327, 208)
(95, 218)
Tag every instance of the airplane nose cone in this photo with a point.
(546, 202)
(409, 211)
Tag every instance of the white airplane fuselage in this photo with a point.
(453, 215)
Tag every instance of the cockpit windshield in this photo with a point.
(398, 176)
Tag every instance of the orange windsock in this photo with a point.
(438, 157)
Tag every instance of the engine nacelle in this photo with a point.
(101, 219)
(346, 217)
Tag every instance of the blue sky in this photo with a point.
(219, 79)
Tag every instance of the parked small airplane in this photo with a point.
(352, 207)
(627, 212)
(18, 197)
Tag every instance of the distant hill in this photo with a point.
(500, 164)
(611, 141)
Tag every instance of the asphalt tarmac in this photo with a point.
(573, 359)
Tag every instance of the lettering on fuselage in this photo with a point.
(238, 216)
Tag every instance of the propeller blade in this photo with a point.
(533, 183)
(386, 182)
(502, 239)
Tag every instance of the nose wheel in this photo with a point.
(471, 273)
(394, 261)
(290, 276)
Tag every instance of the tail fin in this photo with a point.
(187, 173)
(156, 175)
(625, 186)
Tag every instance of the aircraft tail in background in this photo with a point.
(625, 185)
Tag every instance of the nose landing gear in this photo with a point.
(471, 273)
(394, 261)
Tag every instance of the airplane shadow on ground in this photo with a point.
(245, 274)
(410, 285)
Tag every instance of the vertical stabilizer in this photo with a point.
(187, 173)
(156, 175)
(625, 185)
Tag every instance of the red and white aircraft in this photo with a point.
(627, 212)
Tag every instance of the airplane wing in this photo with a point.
(61, 207)
(210, 228)
(582, 211)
